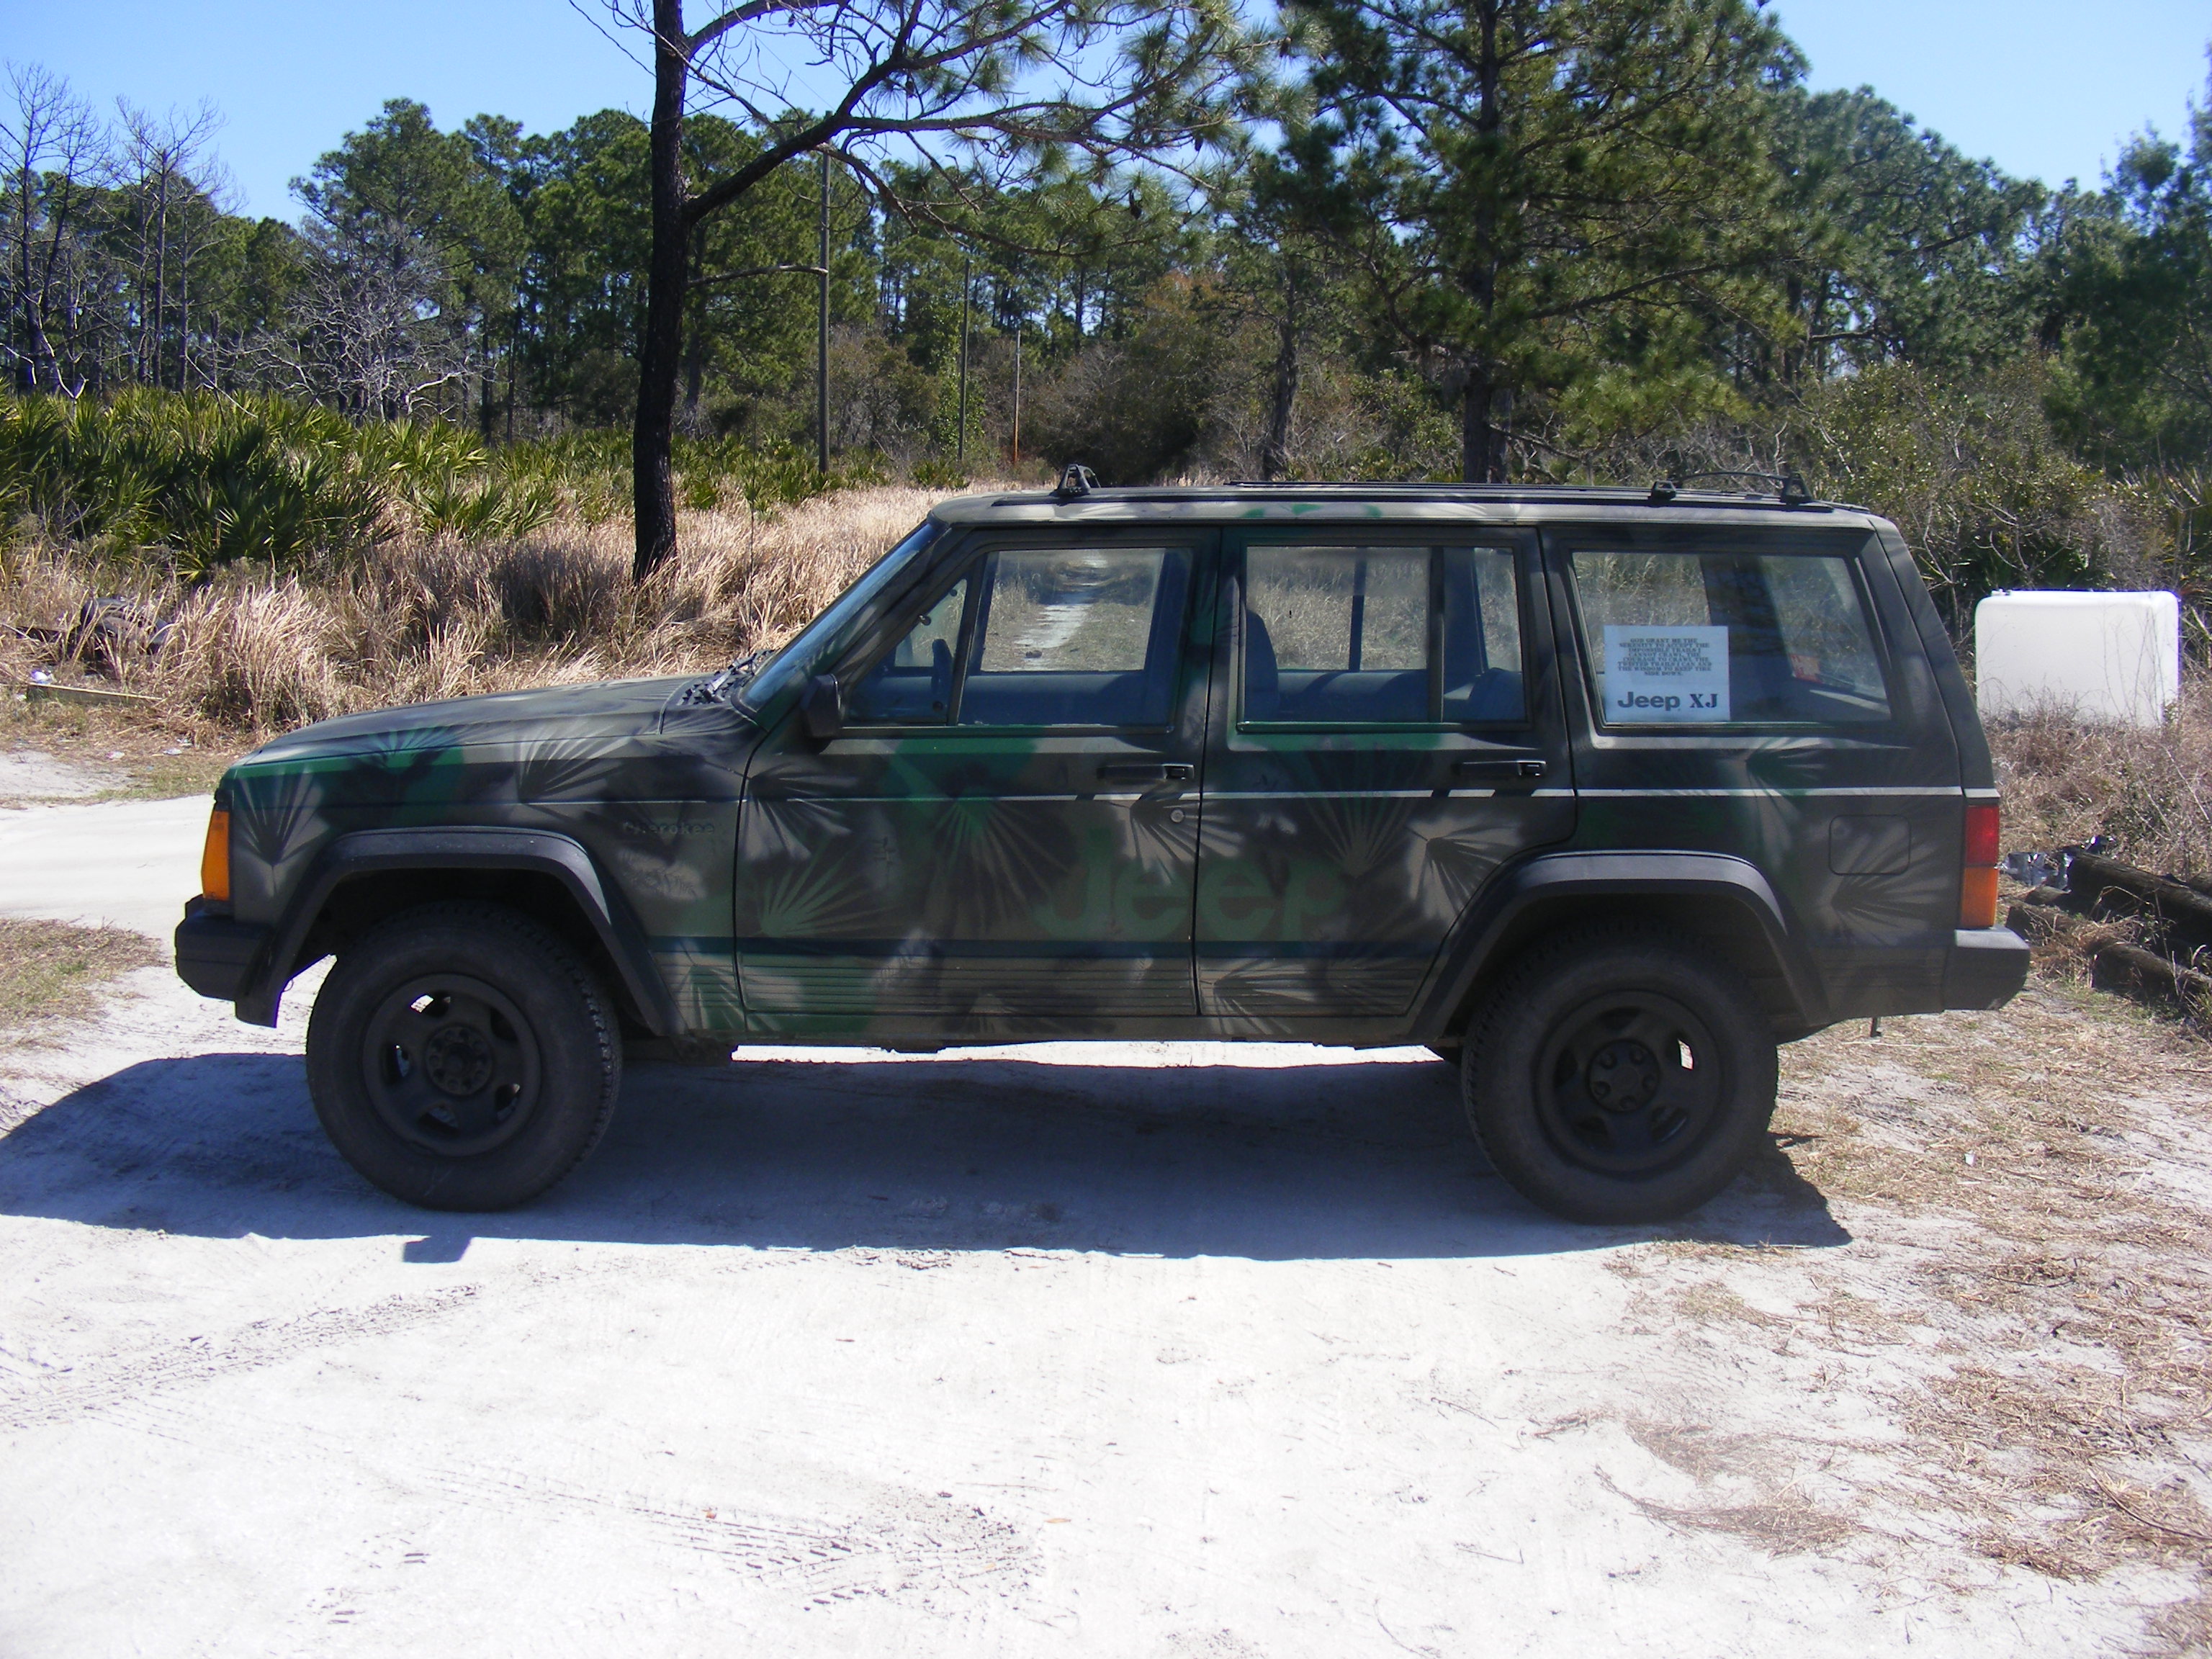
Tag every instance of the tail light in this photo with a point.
(215, 858)
(1977, 880)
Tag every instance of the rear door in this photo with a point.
(1006, 831)
(1760, 691)
(1386, 733)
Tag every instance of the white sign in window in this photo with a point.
(1665, 675)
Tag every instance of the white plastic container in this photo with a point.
(2114, 657)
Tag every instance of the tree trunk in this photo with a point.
(487, 387)
(161, 271)
(660, 357)
(513, 359)
(26, 366)
(1819, 355)
(37, 349)
(1275, 452)
(1486, 420)
(1488, 405)
(184, 320)
(695, 339)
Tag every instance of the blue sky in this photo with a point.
(2044, 89)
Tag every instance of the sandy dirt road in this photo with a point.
(1088, 1349)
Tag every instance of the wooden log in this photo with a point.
(2129, 968)
(86, 695)
(2100, 886)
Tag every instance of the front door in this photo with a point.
(1004, 833)
(1391, 735)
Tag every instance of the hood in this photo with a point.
(607, 709)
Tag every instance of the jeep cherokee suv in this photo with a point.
(1600, 795)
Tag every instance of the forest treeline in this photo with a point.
(1445, 238)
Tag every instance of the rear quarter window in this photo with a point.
(1724, 636)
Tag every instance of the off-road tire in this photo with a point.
(1575, 1087)
(461, 1057)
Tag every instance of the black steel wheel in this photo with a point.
(1616, 1075)
(452, 1066)
(1621, 1090)
(461, 1057)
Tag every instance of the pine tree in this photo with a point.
(1543, 191)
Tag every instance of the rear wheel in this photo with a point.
(463, 1058)
(1615, 1076)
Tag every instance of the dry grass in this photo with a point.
(1710, 1303)
(2065, 779)
(52, 970)
(2009, 1365)
(439, 618)
(2067, 1432)
(1782, 1523)
(161, 754)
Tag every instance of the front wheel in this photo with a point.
(461, 1057)
(1616, 1076)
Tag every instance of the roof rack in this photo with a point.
(1789, 486)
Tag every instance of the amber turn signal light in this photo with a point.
(1977, 880)
(1977, 899)
(215, 858)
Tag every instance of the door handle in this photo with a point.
(1521, 767)
(1145, 772)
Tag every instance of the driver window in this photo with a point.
(1081, 636)
(913, 685)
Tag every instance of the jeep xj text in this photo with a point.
(1600, 795)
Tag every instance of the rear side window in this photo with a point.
(1381, 635)
(1729, 638)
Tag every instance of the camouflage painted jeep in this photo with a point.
(1598, 795)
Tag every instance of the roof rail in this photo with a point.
(1075, 480)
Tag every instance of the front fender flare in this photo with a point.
(540, 851)
(1549, 877)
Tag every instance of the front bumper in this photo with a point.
(1985, 968)
(215, 951)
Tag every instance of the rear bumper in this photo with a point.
(1984, 969)
(216, 952)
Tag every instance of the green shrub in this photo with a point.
(206, 481)
(201, 481)
(1972, 473)
(932, 473)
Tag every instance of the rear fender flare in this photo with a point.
(1586, 881)
(540, 852)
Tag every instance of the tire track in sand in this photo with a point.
(906, 1545)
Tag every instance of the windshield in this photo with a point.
(820, 638)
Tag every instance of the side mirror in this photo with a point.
(821, 708)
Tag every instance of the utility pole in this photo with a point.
(1017, 453)
(967, 289)
(822, 338)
